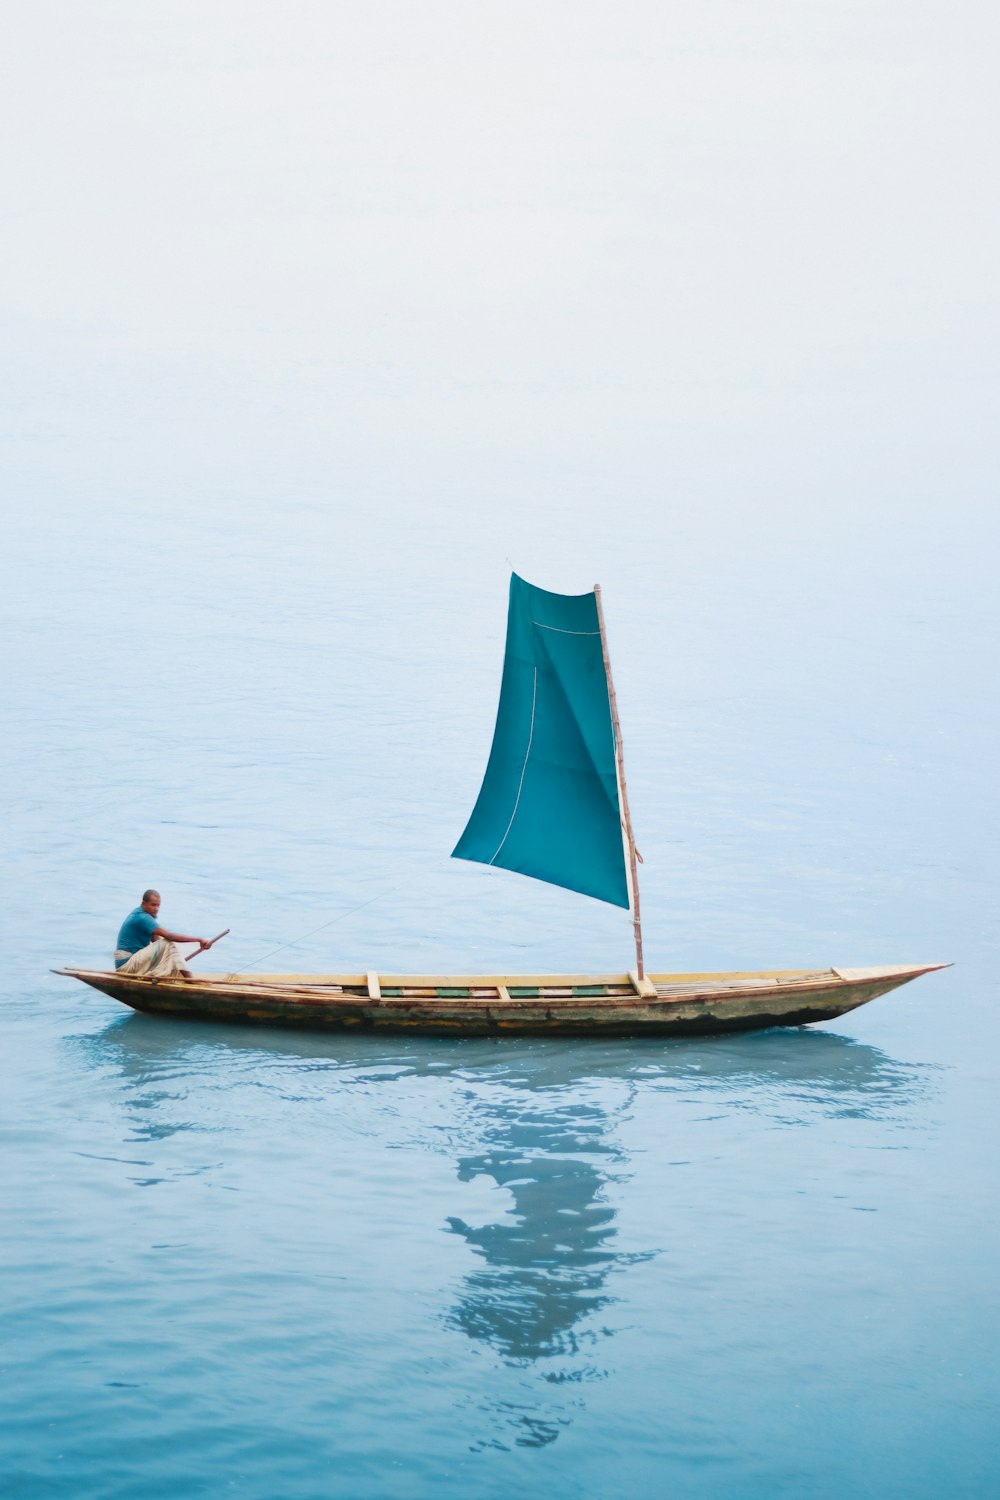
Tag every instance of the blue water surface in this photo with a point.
(279, 1265)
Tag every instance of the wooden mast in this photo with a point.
(629, 839)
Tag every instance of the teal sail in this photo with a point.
(548, 806)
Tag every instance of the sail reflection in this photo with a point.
(545, 1264)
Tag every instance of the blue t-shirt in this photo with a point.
(137, 931)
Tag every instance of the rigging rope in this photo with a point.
(323, 925)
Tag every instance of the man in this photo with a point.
(144, 947)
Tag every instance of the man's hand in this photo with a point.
(203, 943)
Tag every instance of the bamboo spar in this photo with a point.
(629, 837)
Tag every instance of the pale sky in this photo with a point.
(247, 239)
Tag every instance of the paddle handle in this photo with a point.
(206, 947)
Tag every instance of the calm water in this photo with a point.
(315, 1267)
(315, 321)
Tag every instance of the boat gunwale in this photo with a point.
(800, 982)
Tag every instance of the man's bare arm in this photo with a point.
(177, 937)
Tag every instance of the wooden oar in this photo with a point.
(206, 947)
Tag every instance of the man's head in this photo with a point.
(151, 902)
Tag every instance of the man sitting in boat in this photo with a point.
(146, 948)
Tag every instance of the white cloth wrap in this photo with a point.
(158, 960)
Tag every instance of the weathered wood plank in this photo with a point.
(696, 1006)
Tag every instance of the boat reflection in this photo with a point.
(551, 1140)
(537, 1131)
(817, 1072)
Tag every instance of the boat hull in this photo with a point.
(547, 1005)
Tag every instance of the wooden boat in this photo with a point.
(554, 806)
(528, 1005)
